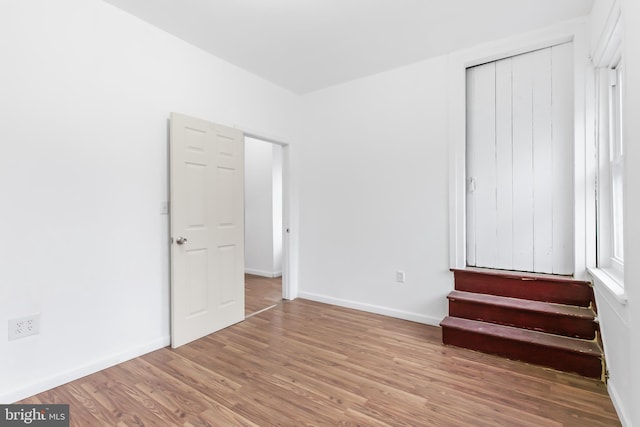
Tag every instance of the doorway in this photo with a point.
(206, 226)
(263, 225)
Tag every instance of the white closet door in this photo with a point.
(482, 218)
(520, 163)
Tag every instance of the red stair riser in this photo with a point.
(562, 292)
(545, 322)
(583, 364)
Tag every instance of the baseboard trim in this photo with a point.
(263, 273)
(370, 308)
(82, 371)
(617, 404)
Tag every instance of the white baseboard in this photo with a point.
(82, 371)
(263, 273)
(370, 308)
(617, 403)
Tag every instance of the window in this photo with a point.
(610, 188)
(616, 162)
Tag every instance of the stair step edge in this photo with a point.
(524, 305)
(575, 345)
(520, 275)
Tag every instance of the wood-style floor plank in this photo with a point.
(306, 363)
(261, 292)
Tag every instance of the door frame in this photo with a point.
(571, 31)
(289, 244)
(289, 216)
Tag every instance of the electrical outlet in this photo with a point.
(24, 326)
(400, 276)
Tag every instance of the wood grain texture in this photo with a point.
(306, 363)
(261, 292)
(535, 318)
(560, 319)
(535, 287)
(554, 351)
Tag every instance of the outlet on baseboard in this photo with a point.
(400, 276)
(24, 326)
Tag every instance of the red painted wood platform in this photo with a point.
(541, 319)
(536, 287)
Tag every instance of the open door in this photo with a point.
(207, 228)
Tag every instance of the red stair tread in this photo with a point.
(516, 334)
(522, 304)
(520, 275)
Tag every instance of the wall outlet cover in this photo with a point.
(24, 326)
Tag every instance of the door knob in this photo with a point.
(181, 240)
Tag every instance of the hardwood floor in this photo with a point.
(306, 363)
(261, 292)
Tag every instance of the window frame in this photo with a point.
(610, 165)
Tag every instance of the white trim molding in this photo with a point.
(81, 371)
(263, 273)
(289, 210)
(609, 38)
(620, 410)
(370, 308)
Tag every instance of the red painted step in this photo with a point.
(553, 351)
(547, 317)
(536, 287)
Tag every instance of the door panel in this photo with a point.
(522, 116)
(519, 162)
(504, 164)
(563, 171)
(207, 210)
(542, 161)
(481, 89)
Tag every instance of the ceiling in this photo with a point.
(306, 45)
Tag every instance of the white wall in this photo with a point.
(86, 93)
(373, 177)
(263, 208)
(631, 52)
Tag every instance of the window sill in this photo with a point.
(609, 282)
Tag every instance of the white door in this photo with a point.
(207, 228)
(520, 162)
